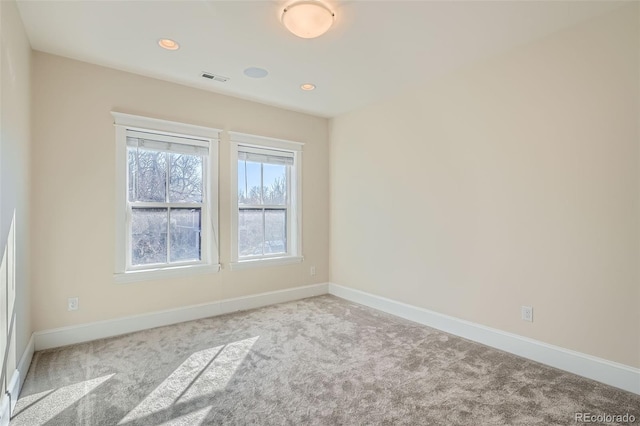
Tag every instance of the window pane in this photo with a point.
(275, 184)
(249, 182)
(185, 234)
(148, 236)
(275, 223)
(185, 180)
(250, 232)
(147, 175)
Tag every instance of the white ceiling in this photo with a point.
(374, 49)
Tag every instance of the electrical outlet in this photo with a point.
(527, 313)
(312, 271)
(72, 304)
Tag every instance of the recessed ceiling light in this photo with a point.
(167, 43)
(307, 86)
(255, 72)
(307, 19)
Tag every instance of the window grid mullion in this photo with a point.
(136, 176)
(159, 205)
(264, 230)
(288, 220)
(168, 235)
(265, 206)
(167, 160)
(246, 182)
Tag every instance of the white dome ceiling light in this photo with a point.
(308, 19)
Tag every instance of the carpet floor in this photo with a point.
(320, 361)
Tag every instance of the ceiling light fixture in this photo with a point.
(307, 86)
(167, 43)
(307, 19)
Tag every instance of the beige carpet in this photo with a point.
(316, 361)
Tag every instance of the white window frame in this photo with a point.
(124, 271)
(294, 212)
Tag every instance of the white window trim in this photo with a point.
(295, 235)
(124, 122)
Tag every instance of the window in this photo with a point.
(167, 193)
(266, 201)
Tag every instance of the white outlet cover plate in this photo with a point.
(72, 304)
(527, 313)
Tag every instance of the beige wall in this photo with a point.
(512, 182)
(73, 191)
(15, 57)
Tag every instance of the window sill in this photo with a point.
(161, 273)
(260, 263)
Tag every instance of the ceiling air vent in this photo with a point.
(211, 76)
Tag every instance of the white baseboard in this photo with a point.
(98, 330)
(602, 370)
(5, 411)
(20, 375)
(8, 402)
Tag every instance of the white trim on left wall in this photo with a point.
(8, 402)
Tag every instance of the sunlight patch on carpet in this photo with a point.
(42, 407)
(203, 373)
